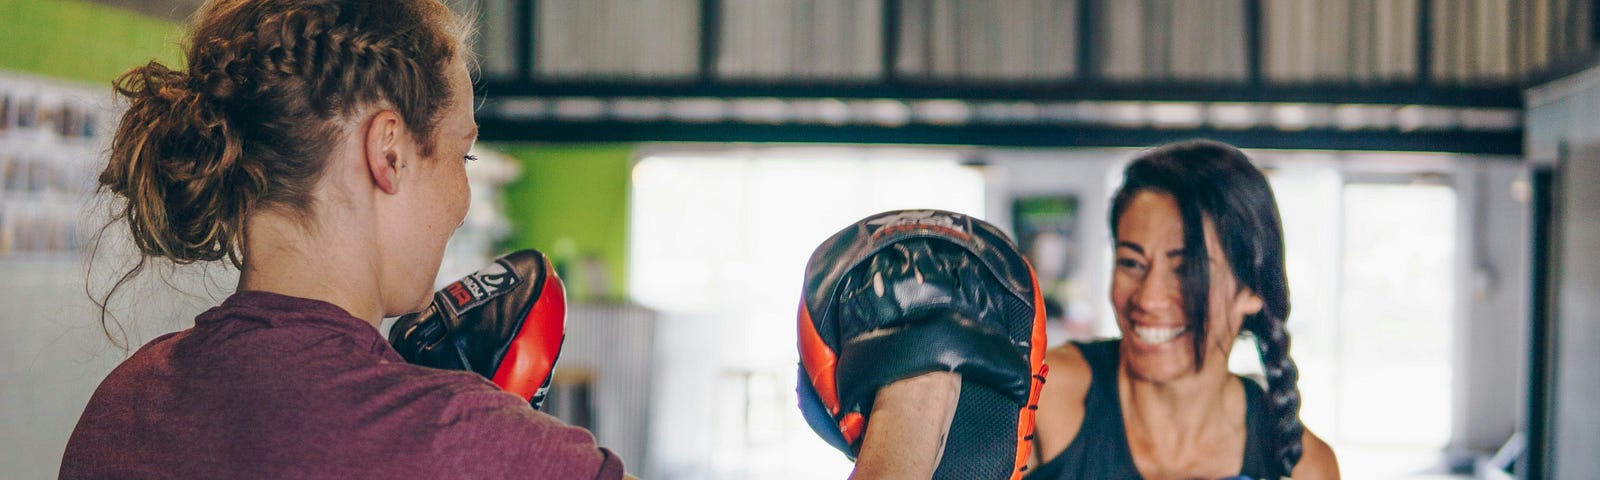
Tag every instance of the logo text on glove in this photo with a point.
(472, 290)
(920, 220)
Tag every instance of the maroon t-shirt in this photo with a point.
(270, 386)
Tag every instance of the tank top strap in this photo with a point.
(1100, 449)
(1102, 404)
(1257, 454)
(1102, 356)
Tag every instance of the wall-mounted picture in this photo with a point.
(1047, 232)
(48, 152)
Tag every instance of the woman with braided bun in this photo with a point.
(1199, 258)
(319, 146)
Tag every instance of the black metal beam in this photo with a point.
(1087, 57)
(891, 39)
(526, 15)
(1424, 42)
(1594, 23)
(1253, 42)
(1485, 143)
(710, 40)
(1535, 461)
(1508, 96)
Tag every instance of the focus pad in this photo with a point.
(945, 342)
(906, 292)
(923, 305)
(506, 322)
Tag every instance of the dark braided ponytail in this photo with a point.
(1215, 181)
(1283, 396)
(271, 87)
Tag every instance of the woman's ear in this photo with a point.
(387, 144)
(1247, 303)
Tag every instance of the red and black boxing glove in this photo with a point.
(904, 293)
(505, 322)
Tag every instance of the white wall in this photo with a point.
(1561, 119)
(53, 352)
(1491, 303)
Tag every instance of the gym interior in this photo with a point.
(1436, 164)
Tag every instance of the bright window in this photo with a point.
(1395, 323)
(1371, 276)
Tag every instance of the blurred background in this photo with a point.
(1436, 162)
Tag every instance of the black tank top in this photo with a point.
(1100, 450)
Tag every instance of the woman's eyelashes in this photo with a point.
(1139, 268)
(469, 158)
(1131, 265)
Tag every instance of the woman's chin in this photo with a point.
(1158, 361)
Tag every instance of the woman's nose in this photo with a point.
(1157, 291)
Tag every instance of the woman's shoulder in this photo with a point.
(459, 390)
(1071, 373)
(1317, 461)
(1066, 361)
(1077, 360)
(1061, 400)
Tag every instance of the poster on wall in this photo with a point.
(1048, 234)
(51, 146)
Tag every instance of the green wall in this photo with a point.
(82, 41)
(571, 202)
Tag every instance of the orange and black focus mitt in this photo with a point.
(505, 322)
(904, 293)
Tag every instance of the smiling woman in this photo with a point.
(1199, 259)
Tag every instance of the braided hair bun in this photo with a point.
(270, 89)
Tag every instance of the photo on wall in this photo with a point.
(51, 145)
(1048, 234)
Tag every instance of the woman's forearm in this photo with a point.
(906, 432)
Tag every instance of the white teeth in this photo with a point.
(1158, 335)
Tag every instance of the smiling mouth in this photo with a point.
(1158, 335)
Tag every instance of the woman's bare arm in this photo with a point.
(906, 432)
(1317, 461)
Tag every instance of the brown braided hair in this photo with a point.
(270, 86)
(1216, 181)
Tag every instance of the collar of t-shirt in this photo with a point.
(267, 309)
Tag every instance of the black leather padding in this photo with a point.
(472, 332)
(941, 340)
(855, 245)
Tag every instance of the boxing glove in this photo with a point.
(904, 293)
(506, 322)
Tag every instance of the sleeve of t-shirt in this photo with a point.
(493, 434)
